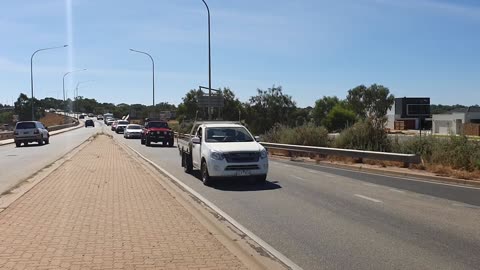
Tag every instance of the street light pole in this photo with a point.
(65, 75)
(209, 64)
(31, 72)
(75, 95)
(153, 74)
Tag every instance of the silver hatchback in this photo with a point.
(30, 131)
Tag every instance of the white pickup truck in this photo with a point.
(223, 149)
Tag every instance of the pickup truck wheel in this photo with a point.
(206, 179)
(142, 141)
(47, 141)
(170, 143)
(187, 163)
(40, 142)
(18, 144)
(147, 142)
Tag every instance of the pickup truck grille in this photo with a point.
(241, 157)
(241, 167)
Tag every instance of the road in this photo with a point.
(322, 217)
(328, 218)
(18, 163)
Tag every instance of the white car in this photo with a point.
(30, 131)
(133, 131)
(224, 150)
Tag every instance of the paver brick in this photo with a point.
(100, 210)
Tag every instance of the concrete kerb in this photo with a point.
(262, 248)
(14, 193)
(53, 133)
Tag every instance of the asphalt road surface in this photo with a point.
(18, 163)
(328, 218)
(319, 217)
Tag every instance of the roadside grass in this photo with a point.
(53, 119)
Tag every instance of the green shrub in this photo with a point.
(301, 135)
(457, 152)
(364, 136)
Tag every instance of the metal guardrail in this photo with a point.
(327, 151)
(360, 154)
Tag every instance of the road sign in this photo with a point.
(214, 101)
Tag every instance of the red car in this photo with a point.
(157, 131)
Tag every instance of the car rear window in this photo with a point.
(25, 125)
(134, 127)
(123, 122)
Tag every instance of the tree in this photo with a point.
(268, 108)
(232, 109)
(339, 118)
(372, 103)
(322, 107)
(23, 108)
(189, 107)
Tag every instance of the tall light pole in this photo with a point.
(65, 75)
(153, 74)
(75, 93)
(209, 64)
(31, 72)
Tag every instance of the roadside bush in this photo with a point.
(301, 135)
(364, 136)
(457, 152)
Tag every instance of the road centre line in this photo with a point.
(298, 177)
(397, 190)
(368, 198)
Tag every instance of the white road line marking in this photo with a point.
(312, 171)
(215, 208)
(286, 165)
(368, 198)
(370, 184)
(397, 190)
(298, 177)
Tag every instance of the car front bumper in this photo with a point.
(221, 168)
(133, 134)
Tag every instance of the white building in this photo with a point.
(452, 122)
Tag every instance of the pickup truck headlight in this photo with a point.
(263, 154)
(217, 155)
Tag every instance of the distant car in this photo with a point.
(133, 131)
(30, 131)
(99, 117)
(121, 125)
(114, 125)
(81, 116)
(89, 123)
(109, 121)
(91, 115)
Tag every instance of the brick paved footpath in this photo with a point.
(100, 210)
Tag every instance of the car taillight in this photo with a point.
(36, 131)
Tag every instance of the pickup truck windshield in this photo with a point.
(157, 125)
(228, 134)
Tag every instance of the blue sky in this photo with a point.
(310, 47)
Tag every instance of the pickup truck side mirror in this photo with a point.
(196, 140)
(257, 138)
